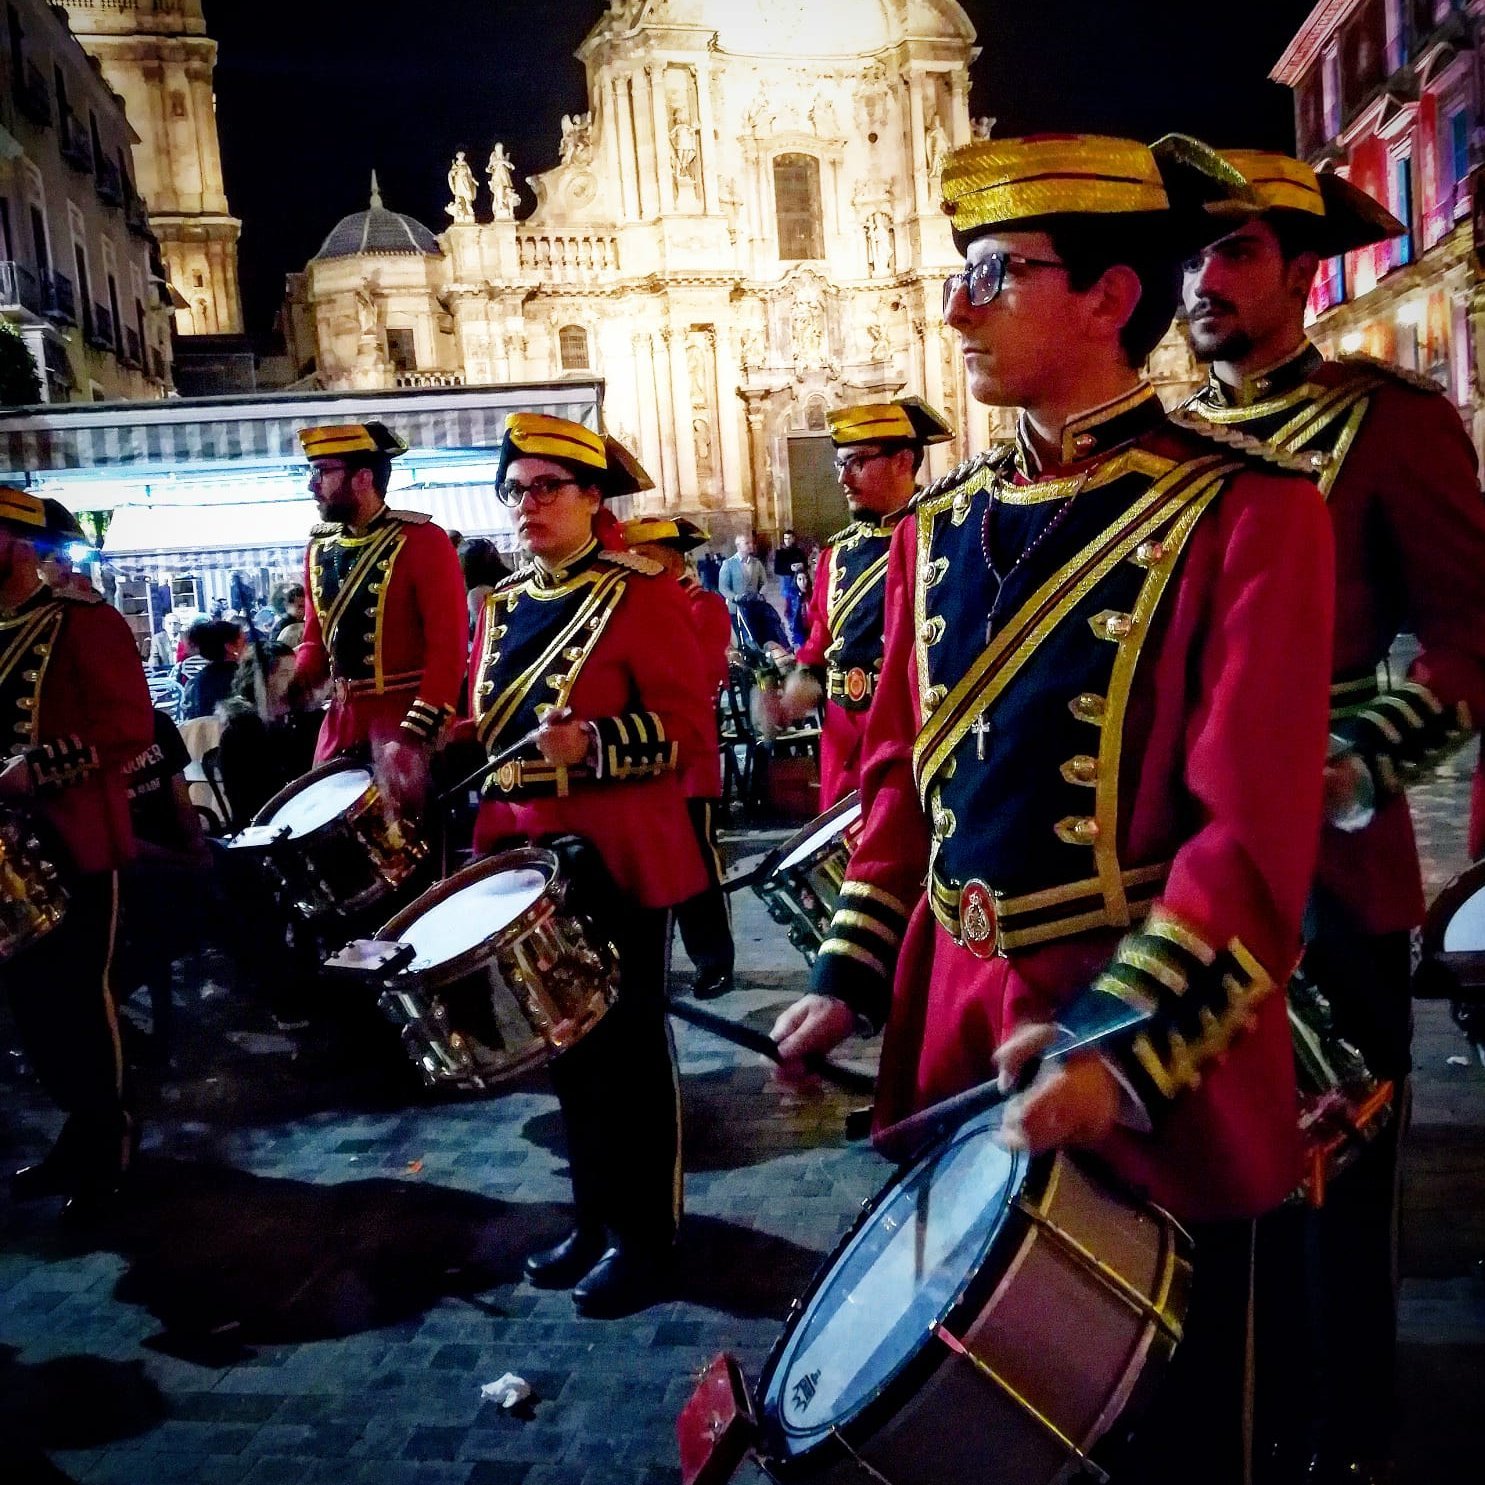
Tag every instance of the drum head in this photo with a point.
(1465, 930)
(317, 803)
(830, 826)
(901, 1272)
(464, 919)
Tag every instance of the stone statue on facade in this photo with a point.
(878, 341)
(463, 188)
(577, 142)
(683, 156)
(981, 128)
(879, 255)
(503, 194)
(822, 119)
(937, 143)
(807, 330)
(366, 313)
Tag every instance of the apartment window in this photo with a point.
(1330, 90)
(1400, 203)
(1330, 286)
(572, 348)
(796, 197)
(59, 87)
(98, 154)
(38, 241)
(6, 250)
(113, 309)
(402, 350)
(1457, 142)
(84, 284)
(1397, 36)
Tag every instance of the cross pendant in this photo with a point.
(981, 730)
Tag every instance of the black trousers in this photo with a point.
(1353, 1239)
(1226, 1397)
(620, 1095)
(61, 996)
(704, 920)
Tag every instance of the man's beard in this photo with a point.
(1229, 345)
(341, 509)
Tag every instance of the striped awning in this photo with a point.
(180, 435)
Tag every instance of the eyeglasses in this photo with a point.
(854, 463)
(317, 472)
(986, 279)
(543, 491)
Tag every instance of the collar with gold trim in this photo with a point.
(1094, 433)
(1282, 376)
(544, 577)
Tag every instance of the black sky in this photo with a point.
(311, 94)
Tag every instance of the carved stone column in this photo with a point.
(647, 177)
(663, 175)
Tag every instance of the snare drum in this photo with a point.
(504, 975)
(800, 882)
(32, 898)
(331, 842)
(989, 1318)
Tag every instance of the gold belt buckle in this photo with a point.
(857, 684)
(979, 920)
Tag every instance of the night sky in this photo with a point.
(311, 94)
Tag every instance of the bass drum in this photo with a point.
(1452, 965)
(990, 1318)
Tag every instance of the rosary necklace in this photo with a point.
(1001, 579)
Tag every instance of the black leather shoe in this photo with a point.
(620, 1283)
(711, 983)
(52, 1175)
(561, 1267)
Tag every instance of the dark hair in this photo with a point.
(196, 633)
(380, 466)
(482, 563)
(1090, 248)
(1294, 232)
(215, 637)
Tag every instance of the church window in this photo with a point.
(402, 350)
(814, 418)
(796, 197)
(572, 347)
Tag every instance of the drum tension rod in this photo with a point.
(1111, 1279)
(984, 1370)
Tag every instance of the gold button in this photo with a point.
(935, 573)
(1077, 830)
(1148, 553)
(1088, 707)
(1085, 443)
(933, 698)
(1319, 460)
(932, 630)
(1110, 624)
(1083, 769)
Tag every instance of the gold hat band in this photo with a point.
(1279, 181)
(543, 436)
(870, 424)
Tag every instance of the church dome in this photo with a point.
(377, 230)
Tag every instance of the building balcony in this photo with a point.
(32, 98)
(59, 302)
(133, 352)
(77, 148)
(109, 180)
(136, 216)
(98, 329)
(20, 292)
(411, 379)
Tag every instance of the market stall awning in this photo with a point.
(176, 436)
(154, 539)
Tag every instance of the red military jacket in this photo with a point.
(386, 622)
(609, 636)
(75, 702)
(712, 625)
(1401, 480)
(1137, 747)
(846, 616)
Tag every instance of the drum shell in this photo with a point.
(33, 898)
(1045, 1317)
(352, 862)
(512, 1001)
(803, 896)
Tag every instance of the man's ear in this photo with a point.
(1299, 274)
(1114, 299)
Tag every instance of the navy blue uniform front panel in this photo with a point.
(857, 612)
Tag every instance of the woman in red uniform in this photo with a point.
(592, 650)
(703, 920)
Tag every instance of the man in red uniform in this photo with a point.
(1071, 744)
(77, 711)
(879, 450)
(386, 623)
(1391, 454)
(586, 656)
(706, 927)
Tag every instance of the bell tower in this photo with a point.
(157, 56)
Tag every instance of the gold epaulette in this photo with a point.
(515, 579)
(1233, 439)
(322, 529)
(995, 457)
(78, 595)
(646, 566)
(410, 517)
(842, 534)
(1414, 379)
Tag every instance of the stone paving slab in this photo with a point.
(322, 1269)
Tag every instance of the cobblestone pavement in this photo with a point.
(320, 1268)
